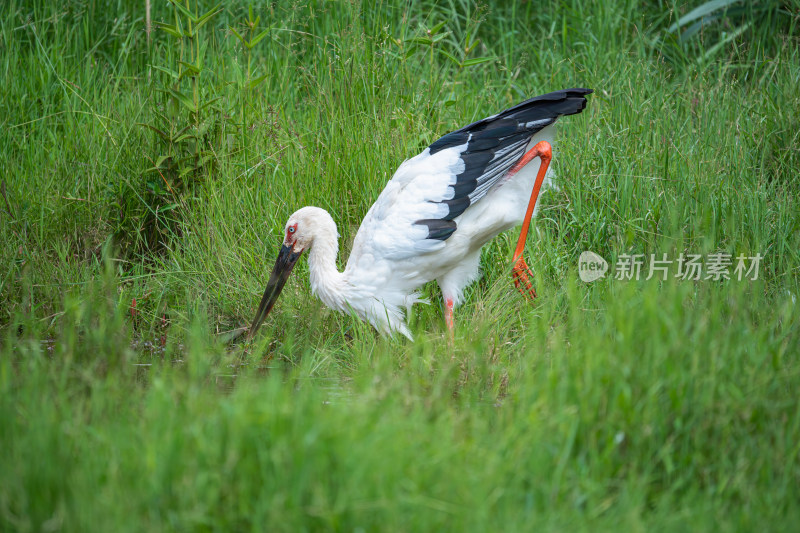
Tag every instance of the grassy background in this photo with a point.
(615, 405)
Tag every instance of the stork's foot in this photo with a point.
(522, 281)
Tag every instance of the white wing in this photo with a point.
(415, 192)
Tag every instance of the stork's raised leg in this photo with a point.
(544, 152)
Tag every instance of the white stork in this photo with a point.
(432, 219)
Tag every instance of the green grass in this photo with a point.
(606, 406)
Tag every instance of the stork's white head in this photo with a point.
(305, 225)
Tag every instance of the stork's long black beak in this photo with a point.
(280, 273)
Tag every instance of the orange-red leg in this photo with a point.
(520, 273)
(448, 315)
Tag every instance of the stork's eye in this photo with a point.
(291, 230)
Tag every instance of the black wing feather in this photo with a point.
(440, 229)
(494, 145)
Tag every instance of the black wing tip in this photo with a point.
(461, 135)
(562, 93)
(580, 93)
(575, 98)
(437, 228)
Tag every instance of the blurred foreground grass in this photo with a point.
(638, 405)
(670, 407)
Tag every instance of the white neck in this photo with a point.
(327, 283)
(359, 288)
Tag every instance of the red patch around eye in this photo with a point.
(290, 231)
